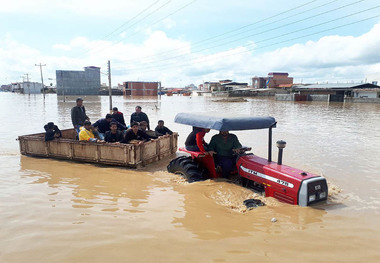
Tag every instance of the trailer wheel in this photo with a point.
(186, 167)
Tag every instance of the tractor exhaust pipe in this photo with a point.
(281, 145)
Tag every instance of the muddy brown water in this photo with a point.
(60, 211)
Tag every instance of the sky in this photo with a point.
(182, 42)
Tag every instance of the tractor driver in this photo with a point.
(223, 145)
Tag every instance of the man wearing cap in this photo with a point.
(78, 115)
(139, 116)
(103, 125)
(117, 115)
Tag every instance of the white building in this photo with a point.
(367, 93)
(27, 87)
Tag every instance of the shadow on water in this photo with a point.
(89, 184)
(212, 209)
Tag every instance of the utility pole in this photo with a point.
(159, 88)
(42, 79)
(27, 82)
(109, 83)
(23, 81)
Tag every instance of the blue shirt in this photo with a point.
(103, 125)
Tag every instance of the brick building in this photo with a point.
(140, 88)
(273, 80)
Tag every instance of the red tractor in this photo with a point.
(287, 184)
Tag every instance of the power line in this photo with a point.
(292, 32)
(99, 48)
(150, 25)
(147, 8)
(239, 28)
(159, 20)
(256, 48)
(264, 31)
(108, 36)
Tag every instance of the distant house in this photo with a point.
(230, 86)
(211, 86)
(27, 87)
(337, 91)
(273, 80)
(140, 88)
(76, 82)
(371, 93)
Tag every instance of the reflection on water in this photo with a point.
(127, 192)
(100, 214)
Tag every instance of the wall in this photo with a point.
(285, 97)
(364, 100)
(140, 88)
(367, 94)
(314, 97)
(34, 87)
(70, 82)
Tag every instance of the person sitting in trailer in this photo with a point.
(86, 133)
(162, 130)
(103, 125)
(143, 127)
(223, 146)
(118, 116)
(139, 116)
(135, 135)
(114, 135)
(195, 141)
(52, 132)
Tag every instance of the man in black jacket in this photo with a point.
(134, 135)
(161, 129)
(114, 135)
(103, 125)
(78, 115)
(117, 115)
(52, 131)
(139, 116)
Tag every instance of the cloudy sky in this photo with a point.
(179, 42)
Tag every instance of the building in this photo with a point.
(338, 92)
(140, 88)
(230, 86)
(75, 82)
(273, 80)
(27, 87)
(6, 87)
(211, 86)
(367, 93)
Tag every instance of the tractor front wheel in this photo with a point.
(186, 167)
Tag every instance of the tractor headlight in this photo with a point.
(311, 198)
(322, 195)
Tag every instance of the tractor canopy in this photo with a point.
(223, 123)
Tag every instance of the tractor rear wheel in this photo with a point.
(186, 167)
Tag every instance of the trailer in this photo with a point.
(127, 155)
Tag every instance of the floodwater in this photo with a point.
(60, 211)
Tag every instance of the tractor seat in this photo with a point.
(194, 154)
